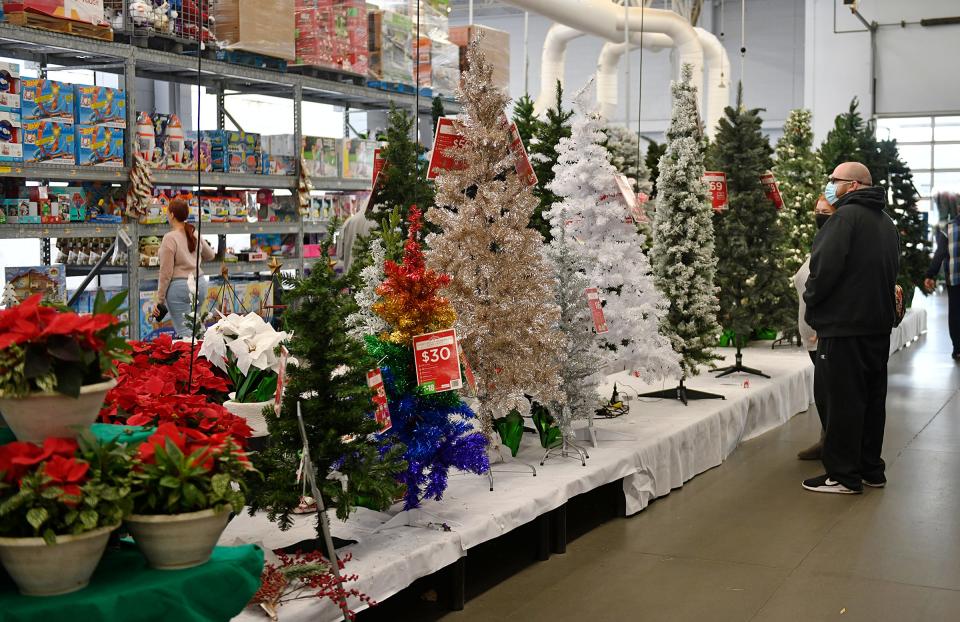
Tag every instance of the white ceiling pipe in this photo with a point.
(716, 80)
(607, 20)
(608, 65)
(551, 65)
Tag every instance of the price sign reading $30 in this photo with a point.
(436, 356)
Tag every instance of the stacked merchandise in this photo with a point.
(11, 138)
(42, 205)
(101, 121)
(357, 160)
(266, 28)
(332, 34)
(87, 11)
(48, 115)
(495, 45)
(162, 142)
(87, 252)
(279, 154)
(321, 156)
(438, 65)
(234, 151)
(391, 46)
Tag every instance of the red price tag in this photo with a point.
(281, 379)
(521, 160)
(640, 211)
(447, 137)
(717, 184)
(771, 188)
(436, 356)
(468, 372)
(596, 308)
(378, 162)
(626, 191)
(381, 411)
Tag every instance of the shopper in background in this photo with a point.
(355, 227)
(178, 265)
(822, 210)
(948, 256)
(851, 303)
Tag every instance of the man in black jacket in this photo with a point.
(851, 304)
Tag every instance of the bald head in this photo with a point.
(853, 171)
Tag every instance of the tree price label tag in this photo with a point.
(447, 137)
(771, 189)
(436, 356)
(640, 211)
(596, 309)
(381, 411)
(378, 163)
(520, 158)
(281, 379)
(717, 185)
(468, 372)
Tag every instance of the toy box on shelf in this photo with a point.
(234, 151)
(25, 281)
(48, 142)
(11, 138)
(332, 34)
(10, 87)
(47, 99)
(357, 160)
(99, 146)
(86, 11)
(100, 105)
(390, 36)
(495, 45)
(322, 156)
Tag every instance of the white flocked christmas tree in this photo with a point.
(364, 321)
(597, 217)
(683, 251)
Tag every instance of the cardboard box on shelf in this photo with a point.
(495, 45)
(390, 36)
(10, 87)
(439, 65)
(100, 105)
(357, 160)
(11, 137)
(49, 281)
(99, 146)
(88, 11)
(46, 99)
(48, 141)
(266, 28)
(332, 34)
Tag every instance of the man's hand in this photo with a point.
(929, 285)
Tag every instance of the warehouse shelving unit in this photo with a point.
(53, 51)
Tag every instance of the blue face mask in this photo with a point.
(830, 193)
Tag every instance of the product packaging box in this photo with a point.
(10, 87)
(99, 146)
(322, 156)
(266, 28)
(358, 158)
(333, 34)
(391, 46)
(11, 138)
(234, 151)
(89, 11)
(439, 65)
(49, 281)
(48, 141)
(46, 99)
(279, 154)
(100, 105)
(495, 44)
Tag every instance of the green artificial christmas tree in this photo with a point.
(543, 156)
(844, 143)
(800, 175)
(623, 147)
(754, 286)
(330, 386)
(655, 151)
(437, 111)
(525, 119)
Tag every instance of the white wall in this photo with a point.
(916, 65)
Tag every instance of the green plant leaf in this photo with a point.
(37, 517)
(220, 484)
(36, 361)
(64, 348)
(89, 519)
(265, 390)
(169, 481)
(49, 537)
(69, 379)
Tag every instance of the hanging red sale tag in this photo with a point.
(468, 372)
(640, 211)
(447, 137)
(378, 163)
(521, 160)
(596, 309)
(281, 379)
(436, 356)
(381, 411)
(771, 188)
(717, 185)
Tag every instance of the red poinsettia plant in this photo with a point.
(155, 387)
(178, 470)
(48, 349)
(65, 487)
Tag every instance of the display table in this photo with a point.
(105, 432)
(913, 325)
(124, 589)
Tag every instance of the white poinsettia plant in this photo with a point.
(247, 348)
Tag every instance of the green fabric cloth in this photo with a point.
(103, 431)
(124, 589)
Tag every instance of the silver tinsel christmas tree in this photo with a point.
(683, 256)
(501, 288)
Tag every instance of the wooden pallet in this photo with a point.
(325, 73)
(56, 24)
(397, 87)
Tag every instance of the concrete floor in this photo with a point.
(745, 542)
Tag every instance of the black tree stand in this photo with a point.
(738, 367)
(682, 393)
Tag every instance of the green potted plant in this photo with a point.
(58, 504)
(246, 348)
(186, 484)
(56, 366)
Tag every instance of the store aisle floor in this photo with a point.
(745, 542)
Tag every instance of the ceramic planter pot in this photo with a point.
(174, 541)
(50, 415)
(252, 412)
(41, 569)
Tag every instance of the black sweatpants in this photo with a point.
(851, 379)
(953, 315)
